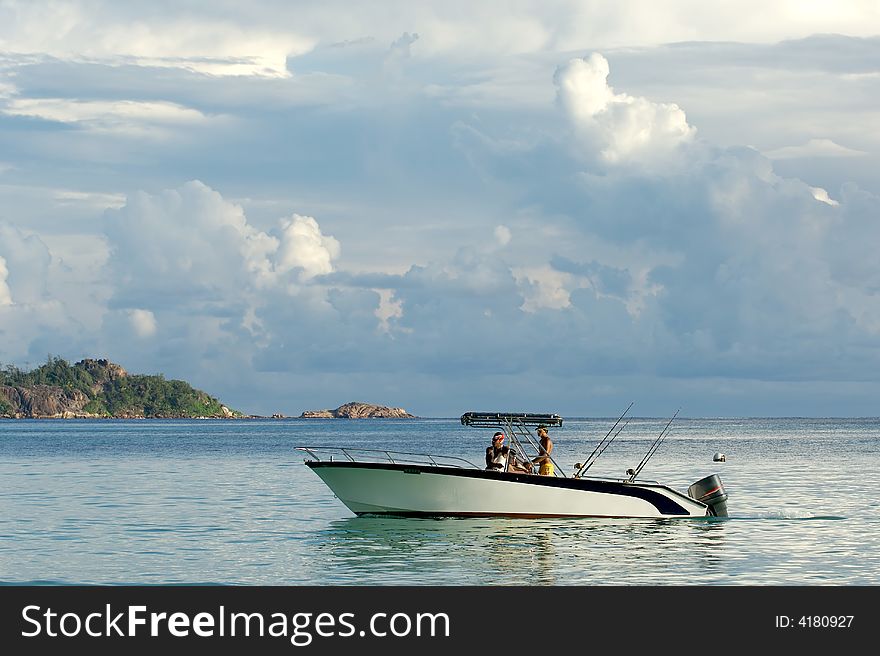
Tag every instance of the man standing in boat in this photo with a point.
(545, 465)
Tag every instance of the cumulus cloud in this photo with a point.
(186, 243)
(502, 235)
(758, 286)
(143, 322)
(191, 243)
(220, 284)
(29, 332)
(606, 280)
(543, 288)
(851, 244)
(721, 267)
(623, 128)
(5, 293)
(389, 310)
(27, 260)
(45, 306)
(303, 247)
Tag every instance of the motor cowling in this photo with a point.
(710, 491)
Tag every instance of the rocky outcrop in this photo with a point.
(102, 371)
(44, 401)
(357, 410)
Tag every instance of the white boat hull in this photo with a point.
(423, 490)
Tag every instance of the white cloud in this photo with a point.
(74, 111)
(5, 292)
(152, 119)
(822, 196)
(27, 262)
(212, 45)
(47, 304)
(143, 322)
(28, 332)
(851, 251)
(814, 148)
(625, 129)
(303, 246)
(390, 309)
(502, 235)
(543, 288)
(193, 243)
(96, 200)
(7, 90)
(187, 242)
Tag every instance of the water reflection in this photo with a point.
(502, 551)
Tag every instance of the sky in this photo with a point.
(450, 206)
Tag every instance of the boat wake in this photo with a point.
(796, 514)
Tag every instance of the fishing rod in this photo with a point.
(587, 462)
(598, 451)
(653, 448)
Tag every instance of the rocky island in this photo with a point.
(358, 410)
(98, 388)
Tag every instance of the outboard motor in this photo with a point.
(710, 491)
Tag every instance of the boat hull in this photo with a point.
(431, 491)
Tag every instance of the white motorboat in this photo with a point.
(375, 482)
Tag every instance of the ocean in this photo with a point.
(231, 502)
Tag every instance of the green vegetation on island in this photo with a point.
(99, 388)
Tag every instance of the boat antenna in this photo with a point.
(599, 447)
(653, 448)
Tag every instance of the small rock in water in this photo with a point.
(719, 457)
(358, 410)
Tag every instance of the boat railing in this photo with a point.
(354, 454)
(616, 479)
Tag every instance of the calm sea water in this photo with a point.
(230, 502)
